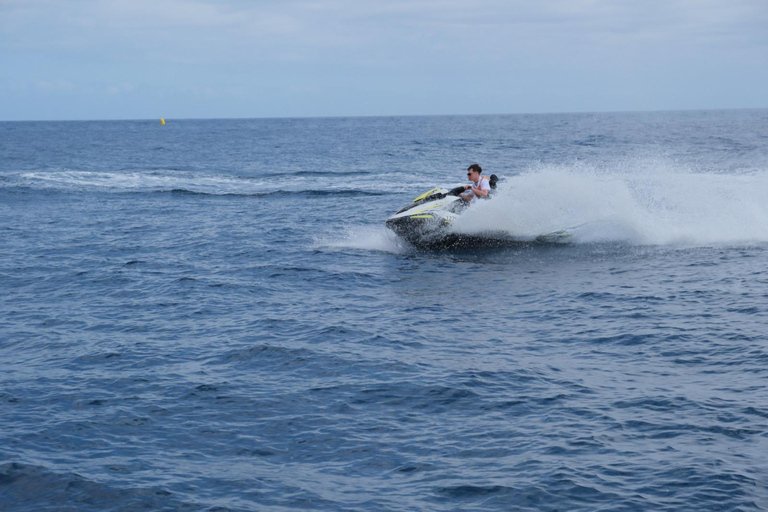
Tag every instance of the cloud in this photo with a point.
(305, 27)
(57, 85)
(415, 52)
(123, 88)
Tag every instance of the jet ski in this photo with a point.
(426, 222)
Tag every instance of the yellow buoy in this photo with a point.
(162, 121)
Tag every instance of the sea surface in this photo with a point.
(210, 315)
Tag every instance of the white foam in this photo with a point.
(138, 181)
(217, 184)
(366, 238)
(643, 202)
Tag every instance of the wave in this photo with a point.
(32, 487)
(307, 193)
(183, 182)
(327, 173)
(136, 181)
(640, 202)
(363, 238)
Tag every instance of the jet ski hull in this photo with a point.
(420, 230)
(432, 236)
(427, 223)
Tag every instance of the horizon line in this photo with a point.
(372, 116)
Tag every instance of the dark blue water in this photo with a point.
(210, 315)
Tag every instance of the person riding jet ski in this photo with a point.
(481, 185)
(426, 222)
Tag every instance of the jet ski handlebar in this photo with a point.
(455, 191)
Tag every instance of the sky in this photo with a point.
(145, 59)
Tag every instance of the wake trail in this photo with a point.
(641, 204)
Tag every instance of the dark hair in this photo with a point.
(475, 168)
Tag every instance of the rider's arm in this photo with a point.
(467, 196)
(483, 188)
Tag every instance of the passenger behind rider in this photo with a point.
(480, 186)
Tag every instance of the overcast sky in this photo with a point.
(141, 59)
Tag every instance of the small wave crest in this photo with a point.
(365, 238)
(334, 174)
(31, 487)
(138, 181)
(184, 182)
(308, 192)
(640, 202)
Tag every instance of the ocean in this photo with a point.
(211, 315)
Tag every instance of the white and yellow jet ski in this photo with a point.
(426, 222)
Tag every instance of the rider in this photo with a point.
(480, 186)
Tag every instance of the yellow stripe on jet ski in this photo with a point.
(427, 207)
(421, 216)
(425, 194)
